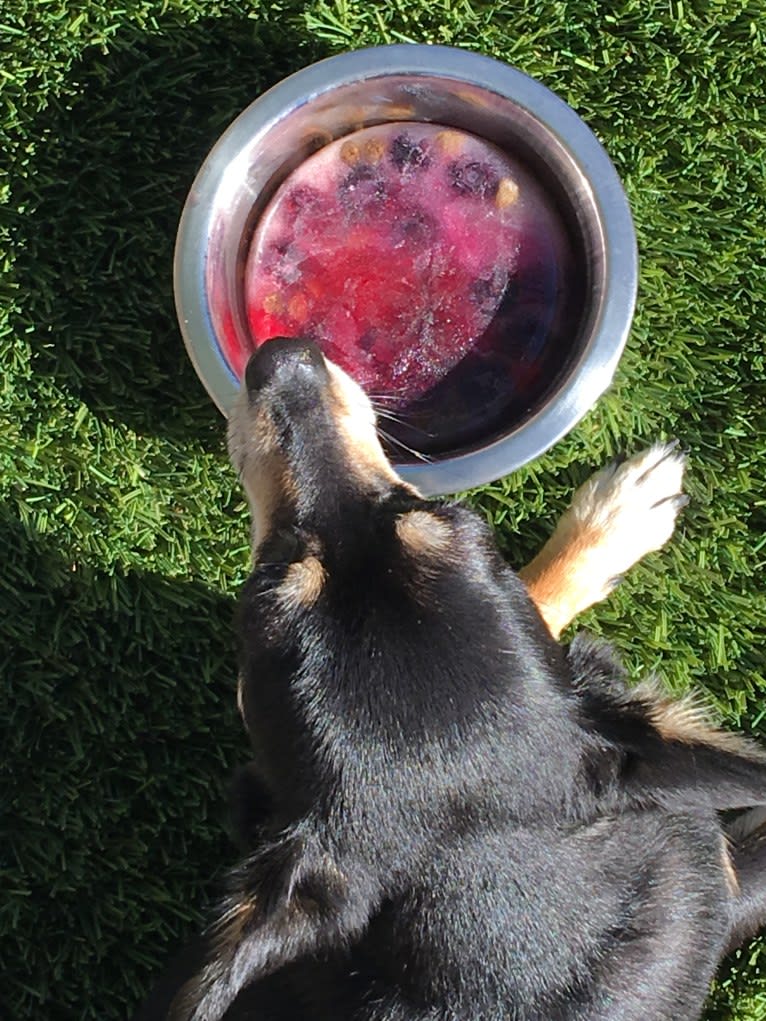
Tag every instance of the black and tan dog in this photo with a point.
(450, 816)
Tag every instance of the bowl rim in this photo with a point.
(598, 360)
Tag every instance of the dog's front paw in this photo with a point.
(618, 516)
(628, 509)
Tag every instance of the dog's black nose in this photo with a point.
(285, 357)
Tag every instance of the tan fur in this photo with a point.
(241, 697)
(230, 927)
(687, 721)
(227, 935)
(559, 579)
(303, 583)
(265, 476)
(729, 872)
(616, 517)
(355, 420)
(255, 451)
(423, 534)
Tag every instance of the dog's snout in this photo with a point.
(284, 358)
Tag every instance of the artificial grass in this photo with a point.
(124, 534)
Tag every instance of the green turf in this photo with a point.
(123, 534)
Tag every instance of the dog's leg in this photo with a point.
(747, 854)
(618, 516)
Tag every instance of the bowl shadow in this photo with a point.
(97, 219)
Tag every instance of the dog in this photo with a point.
(450, 816)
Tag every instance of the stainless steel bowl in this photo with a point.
(437, 84)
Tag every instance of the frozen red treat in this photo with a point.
(408, 252)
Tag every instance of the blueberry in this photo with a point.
(362, 185)
(473, 178)
(409, 155)
(303, 198)
(284, 259)
(487, 292)
(416, 228)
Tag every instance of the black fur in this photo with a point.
(450, 816)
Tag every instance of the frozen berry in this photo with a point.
(406, 154)
(367, 341)
(304, 198)
(349, 152)
(361, 186)
(507, 193)
(373, 150)
(487, 292)
(284, 261)
(472, 177)
(417, 228)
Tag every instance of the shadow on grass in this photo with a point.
(119, 730)
(118, 715)
(109, 176)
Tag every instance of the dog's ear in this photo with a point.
(687, 762)
(287, 900)
(665, 750)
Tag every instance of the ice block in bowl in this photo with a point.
(427, 263)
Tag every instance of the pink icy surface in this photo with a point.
(394, 248)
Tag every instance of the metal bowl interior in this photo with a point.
(416, 83)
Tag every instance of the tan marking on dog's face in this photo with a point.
(729, 872)
(241, 698)
(303, 583)
(263, 469)
(424, 535)
(355, 421)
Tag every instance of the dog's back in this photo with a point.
(448, 817)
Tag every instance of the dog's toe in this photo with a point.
(632, 506)
(621, 513)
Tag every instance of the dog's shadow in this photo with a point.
(120, 720)
(120, 731)
(98, 212)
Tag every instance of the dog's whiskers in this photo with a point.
(415, 453)
(390, 417)
(383, 397)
